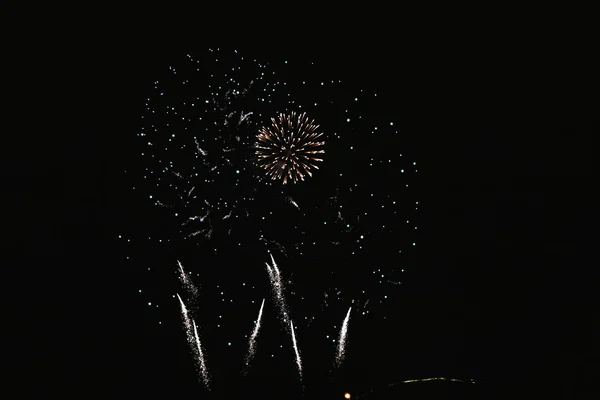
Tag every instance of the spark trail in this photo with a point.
(342, 340)
(277, 285)
(187, 283)
(194, 342)
(298, 361)
(252, 341)
(201, 361)
(186, 318)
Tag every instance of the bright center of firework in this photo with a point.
(289, 148)
(347, 395)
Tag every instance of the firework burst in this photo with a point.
(289, 149)
(215, 170)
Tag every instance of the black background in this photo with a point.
(505, 184)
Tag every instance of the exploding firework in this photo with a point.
(223, 177)
(221, 133)
(289, 149)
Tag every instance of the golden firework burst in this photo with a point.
(288, 149)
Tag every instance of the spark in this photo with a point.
(196, 217)
(186, 319)
(277, 285)
(201, 361)
(177, 174)
(187, 283)
(252, 341)
(194, 342)
(207, 233)
(342, 340)
(293, 203)
(200, 150)
(158, 203)
(298, 361)
(269, 270)
(243, 116)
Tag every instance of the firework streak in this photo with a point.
(194, 342)
(187, 283)
(277, 285)
(342, 340)
(252, 341)
(298, 361)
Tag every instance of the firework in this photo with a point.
(201, 362)
(252, 341)
(206, 128)
(187, 283)
(186, 319)
(288, 149)
(298, 361)
(278, 291)
(194, 342)
(342, 340)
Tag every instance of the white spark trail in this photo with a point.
(252, 341)
(293, 203)
(273, 260)
(207, 233)
(278, 275)
(243, 117)
(186, 319)
(187, 283)
(278, 289)
(195, 217)
(194, 342)
(199, 149)
(298, 361)
(201, 361)
(342, 340)
(269, 270)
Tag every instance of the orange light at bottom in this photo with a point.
(347, 395)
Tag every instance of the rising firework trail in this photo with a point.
(187, 283)
(252, 341)
(269, 270)
(277, 286)
(186, 318)
(298, 361)
(201, 361)
(194, 342)
(341, 350)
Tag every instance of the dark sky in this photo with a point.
(501, 290)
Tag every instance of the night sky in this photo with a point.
(498, 169)
(345, 237)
